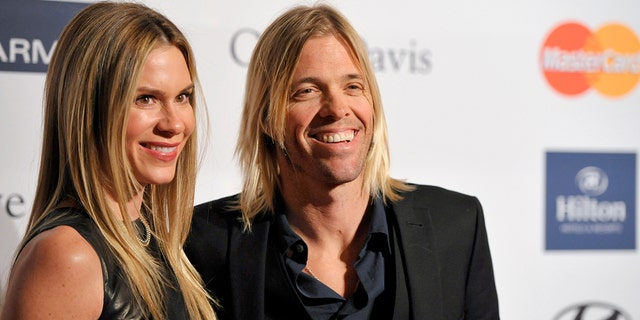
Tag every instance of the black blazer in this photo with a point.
(443, 268)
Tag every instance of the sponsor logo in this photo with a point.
(592, 181)
(590, 201)
(592, 311)
(29, 32)
(575, 59)
(411, 59)
(13, 205)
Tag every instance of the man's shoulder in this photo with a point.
(224, 204)
(434, 193)
(222, 211)
(445, 207)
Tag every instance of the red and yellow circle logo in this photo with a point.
(575, 59)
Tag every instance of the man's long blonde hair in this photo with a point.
(267, 97)
(89, 89)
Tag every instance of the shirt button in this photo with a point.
(299, 248)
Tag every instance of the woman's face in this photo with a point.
(161, 118)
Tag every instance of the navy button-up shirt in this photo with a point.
(320, 301)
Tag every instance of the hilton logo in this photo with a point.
(590, 201)
(592, 311)
(592, 181)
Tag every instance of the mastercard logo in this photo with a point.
(575, 59)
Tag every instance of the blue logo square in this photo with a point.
(29, 32)
(590, 201)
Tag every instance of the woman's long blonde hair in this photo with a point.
(266, 99)
(89, 88)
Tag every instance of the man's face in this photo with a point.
(329, 122)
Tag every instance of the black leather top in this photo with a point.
(118, 296)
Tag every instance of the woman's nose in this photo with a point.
(171, 121)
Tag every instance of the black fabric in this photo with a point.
(281, 299)
(442, 262)
(118, 297)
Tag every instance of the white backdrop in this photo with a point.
(468, 109)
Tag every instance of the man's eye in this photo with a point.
(354, 87)
(303, 93)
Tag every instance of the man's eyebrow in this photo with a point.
(349, 76)
(354, 76)
(305, 80)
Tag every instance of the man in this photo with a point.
(320, 229)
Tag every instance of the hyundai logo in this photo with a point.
(592, 311)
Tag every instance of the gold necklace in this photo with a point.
(147, 232)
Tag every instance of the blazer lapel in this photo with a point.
(248, 298)
(281, 299)
(251, 270)
(417, 262)
(401, 307)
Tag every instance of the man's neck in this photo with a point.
(321, 212)
(334, 226)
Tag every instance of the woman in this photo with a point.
(115, 191)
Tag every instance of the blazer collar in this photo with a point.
(247, 279)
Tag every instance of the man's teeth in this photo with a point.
(338, 137)
(162, 149)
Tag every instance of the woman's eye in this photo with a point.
(183, 97)
(145, 100)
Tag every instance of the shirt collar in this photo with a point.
(290, 242)
(379, 231)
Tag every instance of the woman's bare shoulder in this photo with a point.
(57, 273)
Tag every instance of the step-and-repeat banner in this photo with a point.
(533, 106)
